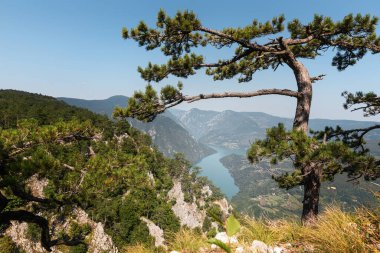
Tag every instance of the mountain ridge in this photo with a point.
(236, 130)
(169, 136)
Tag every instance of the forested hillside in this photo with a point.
(18, 105)
(82, 182)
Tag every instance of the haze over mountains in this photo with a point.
(236, 130)
(167, 135)
(192, 132)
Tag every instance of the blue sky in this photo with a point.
(74, 48)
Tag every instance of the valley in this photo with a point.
(220, 146)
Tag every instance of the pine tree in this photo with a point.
(30, 150)
(178, 36)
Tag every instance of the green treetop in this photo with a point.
(257, 46)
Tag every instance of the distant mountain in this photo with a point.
(169, 136)
(101, 106)
(237, 129)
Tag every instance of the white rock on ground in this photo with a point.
(278, 250)
(260, 247)
(155, 231)
(223, 237)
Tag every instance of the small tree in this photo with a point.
(177, 36)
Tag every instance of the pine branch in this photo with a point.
(25, 216)
(283, 92)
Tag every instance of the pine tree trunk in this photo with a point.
(312, 185)
(312, 178)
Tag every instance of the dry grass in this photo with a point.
(269, 232)
(335, 231)
(136, 249)
(187, 241)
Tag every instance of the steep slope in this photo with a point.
(169, 136)
(102, 186)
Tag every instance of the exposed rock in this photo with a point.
(155, 231)
(37, 186)
(278, 250)
(151, 178)
(188, 213)
(206, 191)
(260, 247)
(223, 237)
(224, 206)
(18, 233)
(239, 250)
(100, 241)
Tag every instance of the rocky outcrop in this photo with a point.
(188, 213)
(155, 231)
(98, 241)
(37, 185)
(18, 233)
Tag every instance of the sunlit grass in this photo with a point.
(139, 248)
(187, 240)
(334, 231)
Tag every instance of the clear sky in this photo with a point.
(74, 48)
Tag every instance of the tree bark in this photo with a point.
(312, 186)
(312, 178)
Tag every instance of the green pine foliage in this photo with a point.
(110, 170)
(257, 46)
(331, 157)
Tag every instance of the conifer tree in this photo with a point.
(257, 46)
(29, 150)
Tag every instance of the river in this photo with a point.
(217, 173)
